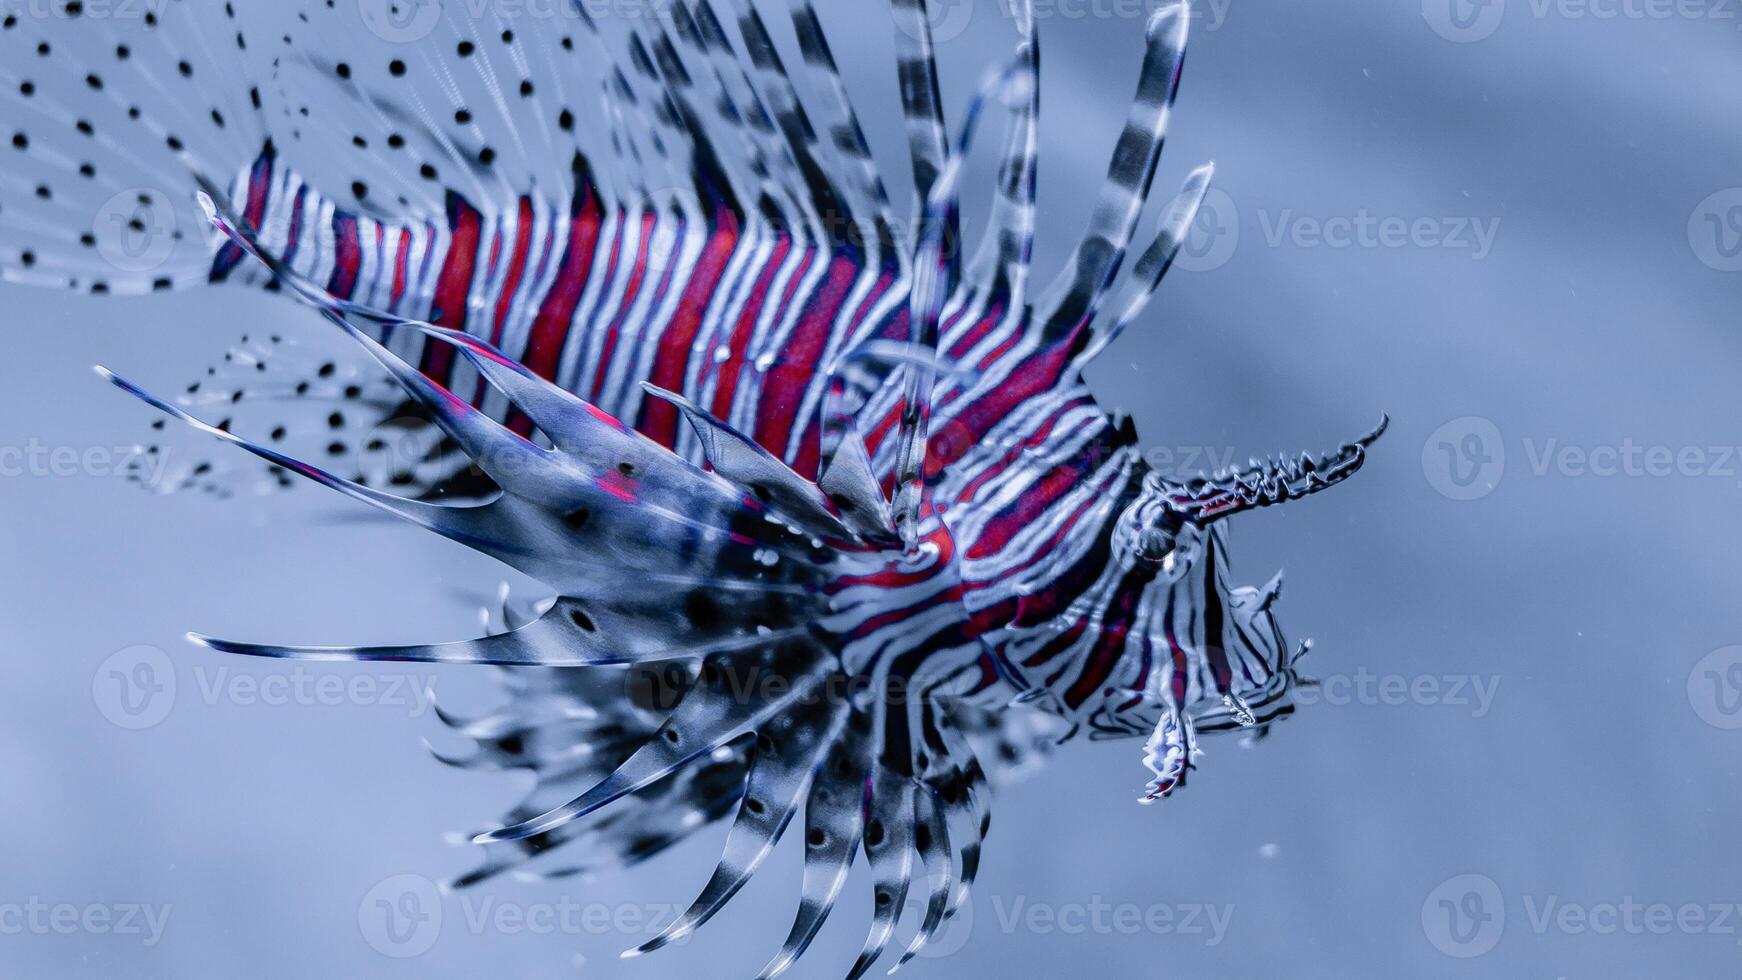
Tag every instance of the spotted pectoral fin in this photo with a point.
(449, 521)
(732, 699)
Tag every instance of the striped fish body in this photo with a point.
(828, 510)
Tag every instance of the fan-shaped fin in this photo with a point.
(932, 841)
(709, 716)
(934, 279)
(448, 521)
(787, 753)
(834, 826)
(1007, 251)
(889, 829)
(106, 117)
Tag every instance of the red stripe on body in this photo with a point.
(1035, 501)
(610, 273)
(982, 326)
(454, 286)
(347, 256)
(516, 268)
(1055, 646)
(510, 280)
(742, 330)
(1110, 645)
(550, 327)
(800, 358)
(658, 417)
(401, 268)
(632, 289)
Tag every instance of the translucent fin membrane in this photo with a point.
(766, 694)
(108, 116)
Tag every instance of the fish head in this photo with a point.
(1212, 655)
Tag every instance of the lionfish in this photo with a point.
(829, 513)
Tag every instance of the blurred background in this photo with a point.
(1515, 225)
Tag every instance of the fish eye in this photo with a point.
(1154, 544)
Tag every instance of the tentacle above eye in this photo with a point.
(1274, 481)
